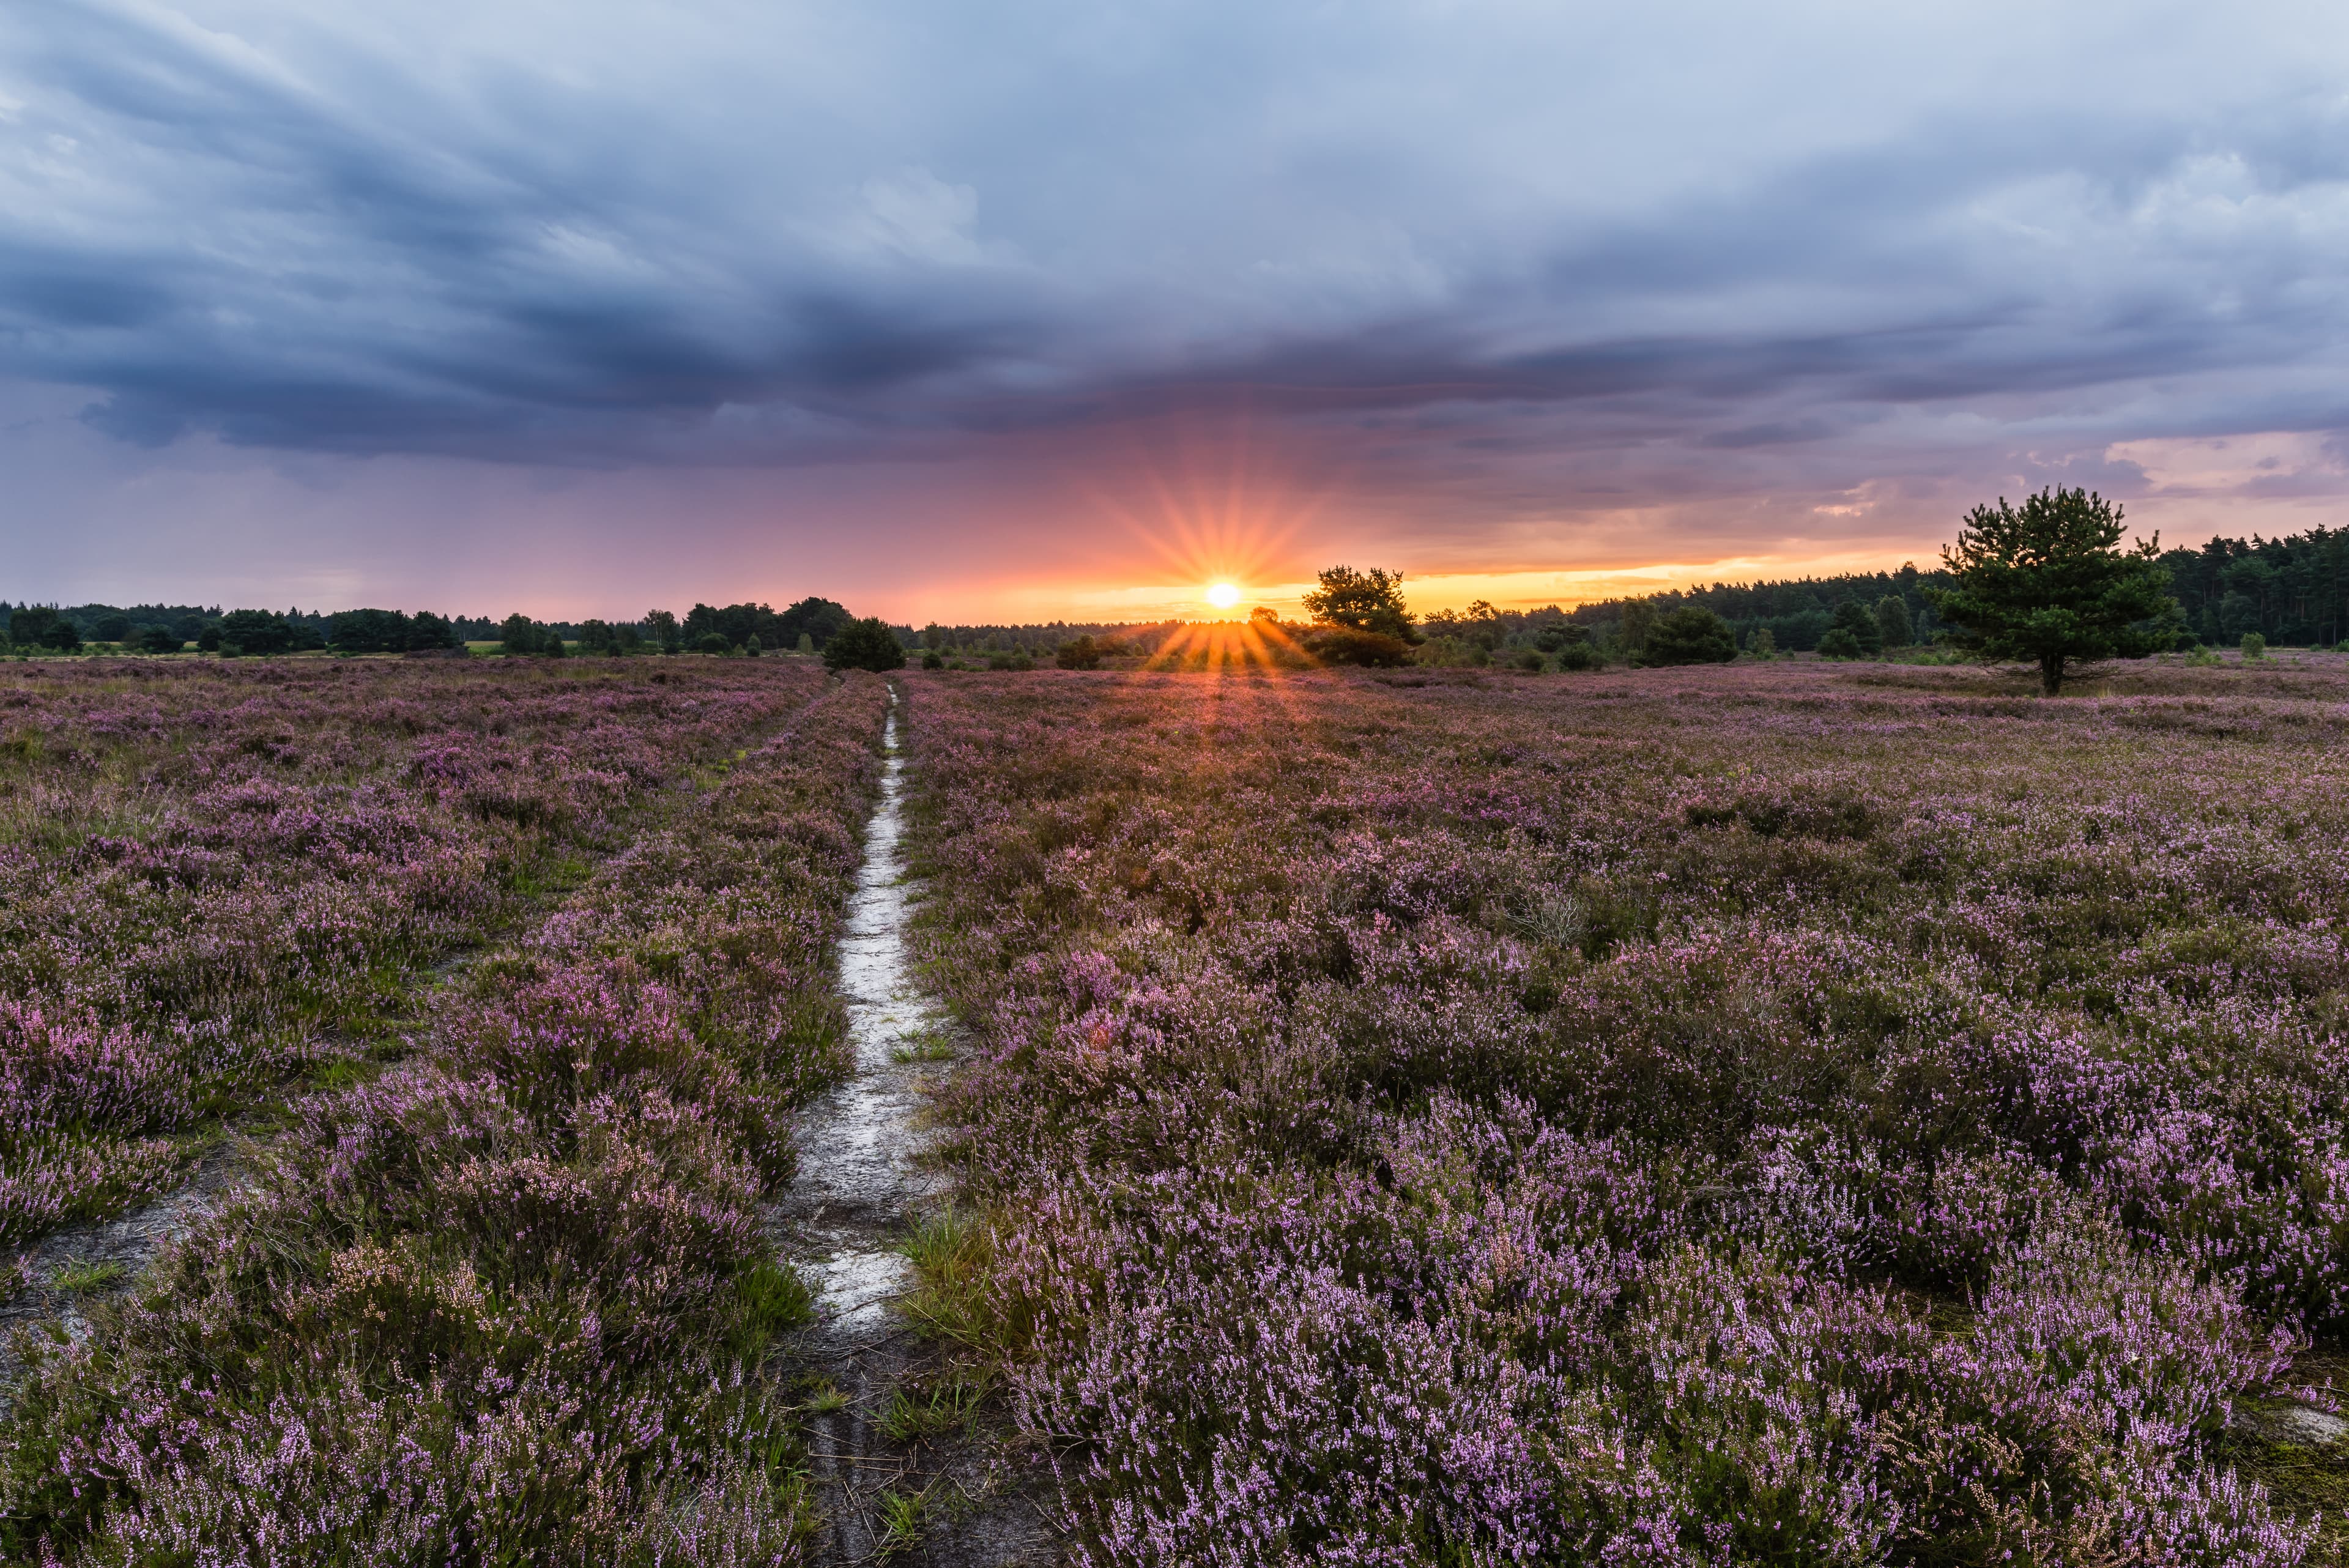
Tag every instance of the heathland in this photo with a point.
(1779, 1114)
(496, 986)
(1776, 1112)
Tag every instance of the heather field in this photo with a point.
(217, 879)
(1787, 1114)
(491, 1281)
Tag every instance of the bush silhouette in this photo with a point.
(1690, 635)
(866, 644)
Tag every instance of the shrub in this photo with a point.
(1839, 643)
(866, 644)
(1558, 635)
(1345, 645)
(1580, 656)
(1690, 635)
(2254, 646)
(1082, 653)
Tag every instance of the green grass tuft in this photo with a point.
(82, 1279)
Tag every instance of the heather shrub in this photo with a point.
(1766, 1113)
(509, 1299)
(214, 880)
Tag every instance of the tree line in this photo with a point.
(809, 626)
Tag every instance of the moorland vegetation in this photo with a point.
(491, 1281)
(1737, 1113)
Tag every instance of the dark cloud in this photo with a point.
(574, 237)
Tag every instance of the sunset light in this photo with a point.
(1224, 596)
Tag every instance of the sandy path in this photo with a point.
(858, 1182)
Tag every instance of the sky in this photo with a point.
(1052, 308)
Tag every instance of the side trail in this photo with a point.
(861, 1182)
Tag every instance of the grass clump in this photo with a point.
(78, 1279)
(954, 1298)
(903, 1516)
(914, 1413)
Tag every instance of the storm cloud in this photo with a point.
(1520, 259)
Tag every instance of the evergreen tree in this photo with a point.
(2047, 584)
(1893, 627)
(1690, 635)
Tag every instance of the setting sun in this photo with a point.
(1224, 596)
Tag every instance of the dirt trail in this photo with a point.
(860, 1180)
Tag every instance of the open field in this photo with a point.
(215, 879)
(1781, 1114)
(497, 1287)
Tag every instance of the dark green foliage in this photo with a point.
(866, 644)
(602, 636)
(1866, 630)
(113, 627)
(1368, 601)
(260, 631)
(520, 635)
(1579, 655)
(814, 618)
(1345, 645)
(1082, 653)
(2046, 584)
(1560, 634)
(156, 639)
(1479, 626)
(662, 631)
(388, 631)
(1856, 633)
(1893, 624)
(817, 620)
(1638, 621)
(1690, 635)
(712, 642)
(2292, 589)
(40, 625)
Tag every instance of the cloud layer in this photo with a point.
(1502, 268)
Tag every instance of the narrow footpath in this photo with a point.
(860, 1182)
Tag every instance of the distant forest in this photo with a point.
(2293, 590)
(167, 627)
